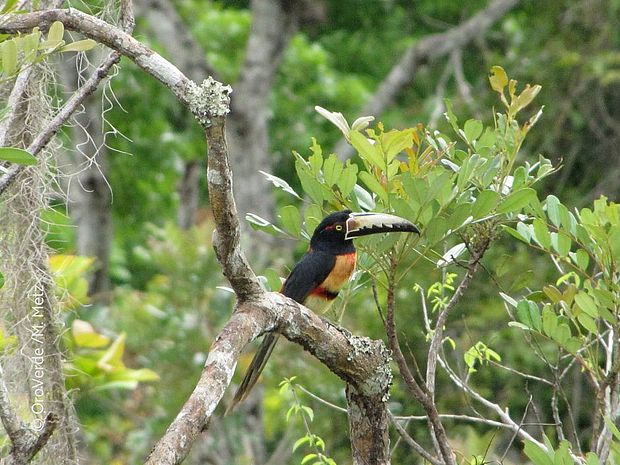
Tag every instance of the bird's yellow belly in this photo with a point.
(322, 297)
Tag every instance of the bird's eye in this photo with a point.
(338, 227)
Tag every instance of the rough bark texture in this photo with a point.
(368, 428)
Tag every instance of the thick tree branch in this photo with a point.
(226, 238)
(428, 49)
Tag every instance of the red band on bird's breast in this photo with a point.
(324, 293)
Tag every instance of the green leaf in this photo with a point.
(517, 200)
(394, 142)
(312, 217)
(549, 321)
(562, 455)
(487, 139)
(587, 322)
(467, 170)
(541, 233)
(472, 129)
(31, 45)
(85, 335)
(498, 78)
(612, 427)
(581, 259)
(308, 411)
(291, 220)
(537, 455)
(280, 183)
(9, 57)
(121, 384)
(311, 186)
(260, 224)
(529, 314)
(348, 178)
(553, 210)
(525, 98)
(516, 234)
(485, 203)
(307, 458)
(586, 303)
(509, 300)
(112, 357)
(15, 155)
(301, 442)
(436, 229)
(79, 46)
(553, 293)
(272, 277)
(291, 411)
(569, 223)
(592, 459)
(374, 185)
(367, 151)
(316, 160)
(561, 243)
(562, 334)
(56, 32)
(332, 169)
(141, 375)
(450, 116)
(1, 280)
(8, 6)
(525, 230)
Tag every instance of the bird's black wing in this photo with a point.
(308, 273)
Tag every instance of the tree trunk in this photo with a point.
(368, 428)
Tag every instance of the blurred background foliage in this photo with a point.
(165, 300)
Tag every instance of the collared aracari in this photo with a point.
(320, 274)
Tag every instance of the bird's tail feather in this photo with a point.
(255, 369)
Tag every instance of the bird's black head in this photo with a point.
(336, 232)
(329, 235)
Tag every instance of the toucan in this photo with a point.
(322, 272)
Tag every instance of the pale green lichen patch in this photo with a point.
(381, 380)
(209, 100)
(359, 345)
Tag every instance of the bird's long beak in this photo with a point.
(363, 224)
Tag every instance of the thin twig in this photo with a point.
(321, 400)
(412, 443)
(419, 391)
(503, 415)
(433, 350)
